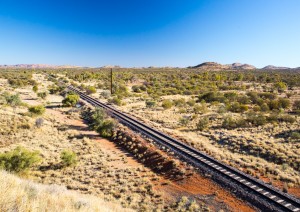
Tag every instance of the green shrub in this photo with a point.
(150, 104)
(115, 100)
(237, 107)
(274, 105)
(167, 104)
(280, 86)
(37, 110)
(202, 123)
(35, 88)
(295, 136)
(256, 119)
(191, 102)
(90, 90)
(284, 103)
(212, 97)
(70, 100)
(184, 120)
(296, 105)
(264, 107)
(101, 123)
(97, 118)
(42, 95)
(19, 160)
(256, 108)
(287, 118)
(107, 127)
(231, 123)
(12, 100)
(68, 158)
(53, 89)
(202, 108)
(179, 102)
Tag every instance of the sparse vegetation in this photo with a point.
(245, 119)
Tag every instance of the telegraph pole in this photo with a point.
(111, 81)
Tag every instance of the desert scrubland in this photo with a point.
(247, 119)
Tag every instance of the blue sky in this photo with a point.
(150, 32)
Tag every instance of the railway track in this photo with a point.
(278, 200)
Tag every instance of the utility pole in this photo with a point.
(111, 81)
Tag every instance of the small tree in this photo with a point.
(69, 158)
(70, 100)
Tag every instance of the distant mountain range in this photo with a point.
(203, 66)
(236, 66)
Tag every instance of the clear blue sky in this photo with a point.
(150, 32)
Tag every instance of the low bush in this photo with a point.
(231, 123)
(37, 110)
(184, 120)
(68, 158)
(99, 121)
(286, 118)
(115, 100)
(42, 95)
(19, 160)
(106, 128)
(237, 107)
(70, 100)
(53, 89)
(191, 102)
(295, 136)
(35, 88)
(150, 104)
(200, 108)
(12, 100)
(167, 104)
(202, 124)
(212, 97)
(296, 105)
(256, 119)
(90, 90)
(180, 102)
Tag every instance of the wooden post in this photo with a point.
(111, 81)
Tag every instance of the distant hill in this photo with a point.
(271, 67)
(217, 66)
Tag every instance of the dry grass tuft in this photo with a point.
(24, 195)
